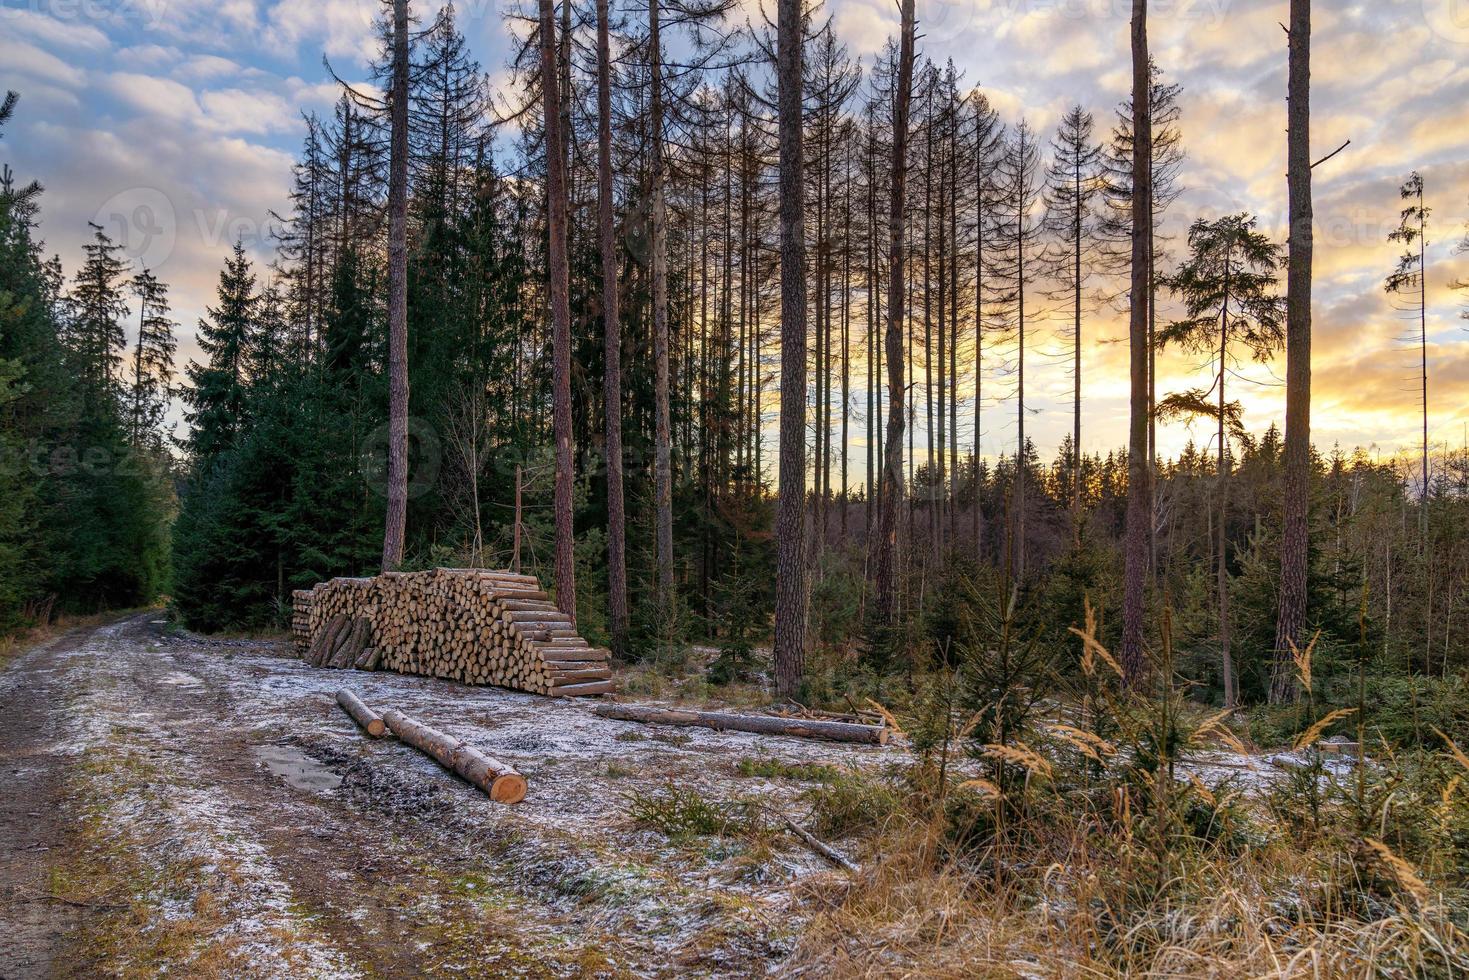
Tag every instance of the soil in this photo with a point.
(202, 807)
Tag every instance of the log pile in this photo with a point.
(470, 625)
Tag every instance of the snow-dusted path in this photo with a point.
(203, 807)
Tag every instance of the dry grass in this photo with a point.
(1089, 857)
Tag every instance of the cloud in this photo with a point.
(28, 61)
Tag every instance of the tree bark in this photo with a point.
(790, 575)
(371, 722)
(837, 731)
(395, 525)
(559, 275)
(500, 781)
(1139, 477)
(1295, 542)
(662, 435)
(617, 615)
(892, 469)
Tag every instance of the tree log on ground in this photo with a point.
(370, 720)
(500, 781)
(836, 731)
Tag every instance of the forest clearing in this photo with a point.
(726, 488)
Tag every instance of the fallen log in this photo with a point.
(500, 781)
(836, 731)
(370, 720)
(819, 846)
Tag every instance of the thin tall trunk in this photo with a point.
(397, 506)
(1220, 557)
(662, 435)
(1076, 358)
(559, 288)
(790, 578)
(1139, 476)
(892, 476)
(617, 615)
(1296, 504)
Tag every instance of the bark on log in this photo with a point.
(370, 720)
(500, 781)
(819, 846)
(836, 731)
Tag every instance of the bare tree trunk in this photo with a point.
(1226, 659)
(612, 346)
(1294, 538)
(790, 576)
(662, 436)
(1139, 477)
(559, 275)
(395, 526)
(892, 470)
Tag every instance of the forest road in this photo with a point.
(201, 807)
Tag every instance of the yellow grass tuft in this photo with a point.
(1313, 734)
(1457, 752)
(1090, 745)
(1303, 659)
(1090, 645)
(1402, 872)
(1021, 755)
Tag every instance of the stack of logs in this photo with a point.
(470, 625)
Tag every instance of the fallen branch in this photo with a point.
(370, 720)
(824, 849)
(500, 781)
(836, 731)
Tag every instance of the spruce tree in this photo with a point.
(217, 389)
(152, 362)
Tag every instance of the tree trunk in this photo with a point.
(1139, 477)
(501, 782)
(790, 573)
(559, 276)
(1226, 659)
(612, 382)
(836, 731)
(1296, 503)
(396, 523)
(892, 470)
(662, 435)
(371, 721)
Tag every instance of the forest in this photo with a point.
(722, 332)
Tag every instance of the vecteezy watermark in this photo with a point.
(149, 13)
(1449, 19)
(425, 458)
(142, 220)
(952, 16)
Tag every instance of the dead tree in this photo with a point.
(395, 525)
(892, 472)
(1139, 474)
(559, 287)
(612, 345)
(790, 576)
(1294, 543)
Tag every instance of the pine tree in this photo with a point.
(1228, 289)
(790, 525)
(1409, 282)
(94, 334)
(216, 395)
(1295, 542)
(1073, 190)
(152, 362)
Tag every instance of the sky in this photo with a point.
(174, 123)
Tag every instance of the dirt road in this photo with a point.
(203, 808)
